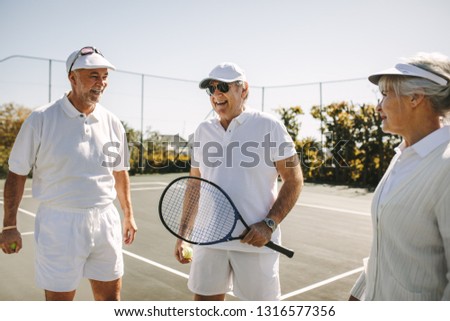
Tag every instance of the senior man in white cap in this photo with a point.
(243, 151)
(77, 151)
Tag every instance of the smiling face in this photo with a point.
(230, 104)
(87, 87)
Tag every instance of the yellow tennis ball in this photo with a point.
(13, 246)
(187, 252)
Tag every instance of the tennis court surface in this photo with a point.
(329, 229)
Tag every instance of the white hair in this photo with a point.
(438, 95)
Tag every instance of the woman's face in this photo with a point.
(394, 112)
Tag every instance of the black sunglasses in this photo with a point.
(83, 52)
(223, 87)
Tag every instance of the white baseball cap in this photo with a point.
(87, 58)
(225, 72)
(408, 70)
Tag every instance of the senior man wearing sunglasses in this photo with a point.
(68, 145)
(243, 151)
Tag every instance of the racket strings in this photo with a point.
(198, 211)
(219, 214)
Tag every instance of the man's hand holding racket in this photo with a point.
(198, 211)
(259, 234)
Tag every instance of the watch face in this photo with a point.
(270, 223)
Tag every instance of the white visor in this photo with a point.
(408, 70)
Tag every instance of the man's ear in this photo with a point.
(245, 89)
(72, 77)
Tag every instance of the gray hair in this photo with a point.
(240, 83)
(438, 95)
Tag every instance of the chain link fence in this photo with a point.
(169, 105)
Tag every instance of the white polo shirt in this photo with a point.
(72, 156)
(241, 161)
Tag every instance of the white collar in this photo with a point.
(429, 143)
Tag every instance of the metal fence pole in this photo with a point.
(321, 116)
(49, 69)
(141, 148)
(262, 99)
(49, 80)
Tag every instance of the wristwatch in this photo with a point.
(270, 223)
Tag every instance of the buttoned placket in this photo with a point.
(370, 291)
(228, 133)
(87, 131)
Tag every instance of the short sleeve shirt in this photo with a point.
(241, 161)
(72, 155)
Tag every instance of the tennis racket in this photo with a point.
(200, 212)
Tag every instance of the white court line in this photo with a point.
(333, 209)
(163, 267)
(319, 284)
(131, 184)
(25, 189)
(148, 183)
(124, 251)
(131, 189)
(26, 233)
(23, 211)
(283, 297)
(146, 188)
(24, 196)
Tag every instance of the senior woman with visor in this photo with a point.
(410, 255)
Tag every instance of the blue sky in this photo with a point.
(277, 42)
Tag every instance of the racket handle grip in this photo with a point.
(289, 253)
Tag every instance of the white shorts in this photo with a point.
(72, 244)
(251, 276)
